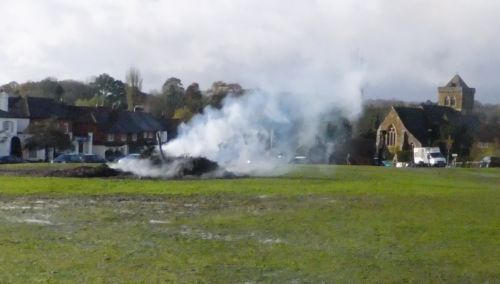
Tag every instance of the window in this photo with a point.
(123, 137)
(453, 101)
(7, 126)
(134, 137)
(145, 135)
(447, 101)
(111, 137)
(391, 136)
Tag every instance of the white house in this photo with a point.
(11, 129)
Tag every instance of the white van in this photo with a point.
(428, 156)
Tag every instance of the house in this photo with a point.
(407, 127)
(37, 110)
(11, 129)
(100, 130)
(107, 132)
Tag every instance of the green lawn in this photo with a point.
(316, 224)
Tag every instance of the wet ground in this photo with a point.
(173, 214)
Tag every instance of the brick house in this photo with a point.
(92, 130)
(105, 131)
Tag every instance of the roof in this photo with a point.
(131, 122)
(116, 121)
(38, 108)
(418, 120)
(457, 81)
(436, 114)
(414, 120)
(108, 120)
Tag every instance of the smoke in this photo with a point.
(260, 132)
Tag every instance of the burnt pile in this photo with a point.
(152, 167)
(196, 166)
(102, 171)
(179, 167)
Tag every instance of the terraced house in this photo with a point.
(100, 130)
(109, 132)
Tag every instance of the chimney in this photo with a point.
(4, 101)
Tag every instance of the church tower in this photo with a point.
(456, 94)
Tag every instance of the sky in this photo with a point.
(402, 49)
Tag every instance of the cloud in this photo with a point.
(405, 49)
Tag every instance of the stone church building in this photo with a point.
(407, 127)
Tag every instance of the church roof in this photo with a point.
(418, 120)
(457, 81)
(414, 119)
(436, 114)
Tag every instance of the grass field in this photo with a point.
(316, 224)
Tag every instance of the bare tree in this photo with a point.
(133, 79)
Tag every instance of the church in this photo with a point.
(423, 126)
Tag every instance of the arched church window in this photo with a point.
(391, 136)
(453, 101)
(447, 101)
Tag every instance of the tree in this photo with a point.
(133, 80)
(47, 88)
(47, 135)
(172, 96)
(194, 98)
(220, 90)
(183, 114)
(75, 90)
(110, 92)
(11, 88)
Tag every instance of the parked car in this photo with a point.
(300, 160)
(387, 163)
(11, 160)
(93, 158)
(490, 162)
(69, 158)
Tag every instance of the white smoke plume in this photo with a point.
(258, 133)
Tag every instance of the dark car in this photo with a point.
(93, 158)
(11, 160)
(490, 162)
(69, 158)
